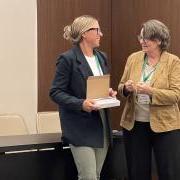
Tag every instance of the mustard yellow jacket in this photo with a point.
(164, 110)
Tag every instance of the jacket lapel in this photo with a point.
(102, 62)
(83, 65)
(160, 66)
(139, 64)
(138, 68)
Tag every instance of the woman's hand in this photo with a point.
(112, 93)
(89, 105)
(130, 86)
(143, 88)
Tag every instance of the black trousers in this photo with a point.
(139, 143)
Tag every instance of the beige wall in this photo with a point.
(18, 59)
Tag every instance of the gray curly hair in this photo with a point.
(154, 29)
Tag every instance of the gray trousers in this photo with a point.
(88, 160)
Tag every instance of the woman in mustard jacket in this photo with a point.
(151, 117)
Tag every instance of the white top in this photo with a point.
(142, 112)
(97, 71)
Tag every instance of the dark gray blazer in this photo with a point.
(68, 90)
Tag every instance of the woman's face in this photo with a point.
(148, 46)
(93, 35)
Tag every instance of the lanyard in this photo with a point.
(98, 65)
(146, 77)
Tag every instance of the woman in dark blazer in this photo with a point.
(85, 128)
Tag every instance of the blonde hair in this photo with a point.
(80, 25)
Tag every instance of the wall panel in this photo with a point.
(127, 17)
(120, 21)
(52, 17)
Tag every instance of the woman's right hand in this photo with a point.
(130, 86)
(89, 105)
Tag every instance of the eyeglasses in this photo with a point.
(140, 37)
(96, 29)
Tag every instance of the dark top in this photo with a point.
(68, 90)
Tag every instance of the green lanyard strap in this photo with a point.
(146, 77)
(98, 65)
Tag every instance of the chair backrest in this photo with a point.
(12, 124)
(48, 122)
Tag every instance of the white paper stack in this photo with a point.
(106, 102)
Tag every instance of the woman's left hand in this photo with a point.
(112, 93)
(143, 88)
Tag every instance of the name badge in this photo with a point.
(143, 99)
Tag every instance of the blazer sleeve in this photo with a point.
(125, 77)
(172, 95)
(59, 91)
